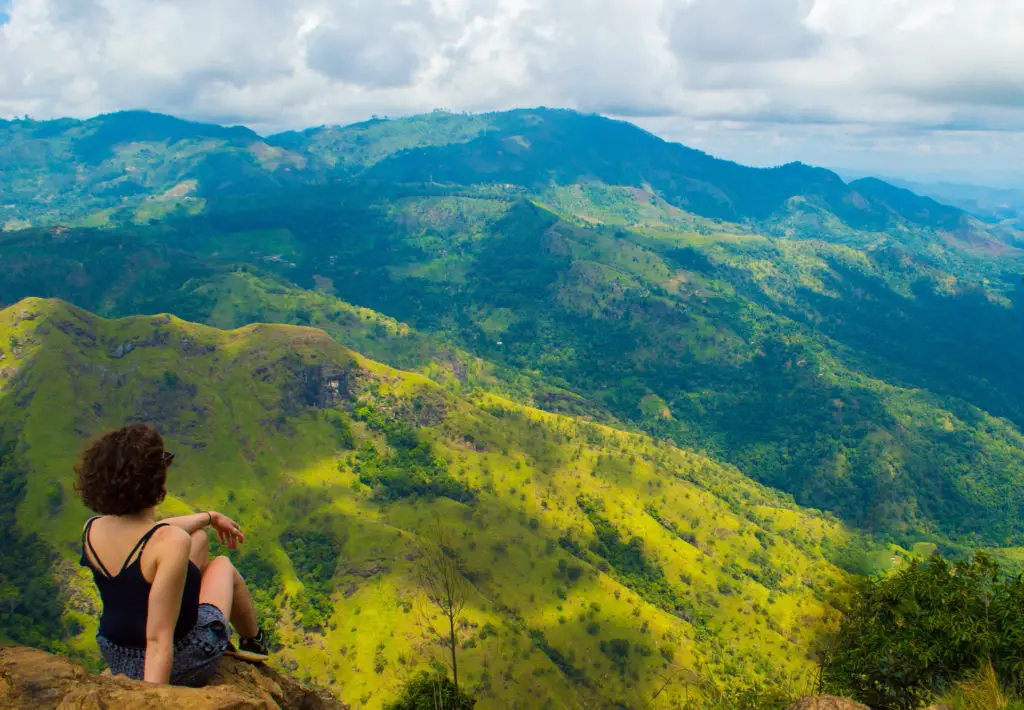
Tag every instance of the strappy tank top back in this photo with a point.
(126, 594)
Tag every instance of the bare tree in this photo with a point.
(440, 577)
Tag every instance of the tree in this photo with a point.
(913, 635)
(440, 576)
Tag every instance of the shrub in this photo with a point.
(914, 635)
(427, 691)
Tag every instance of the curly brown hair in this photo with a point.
(124, 471)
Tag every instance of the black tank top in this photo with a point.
(126, 595)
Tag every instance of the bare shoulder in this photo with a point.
(93, 519)
(172, 541)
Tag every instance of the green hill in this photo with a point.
(604, 565)
(852, 344)
(146, 164)
(54, 170)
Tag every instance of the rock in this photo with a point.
(25, 315)
(826, 702)
(35, 680)
(80, 335)
(367, 571)
(122, 349)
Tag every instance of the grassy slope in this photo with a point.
(770, 353)
(250, 413)
(833, 372)
(836, 373)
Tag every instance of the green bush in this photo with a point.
(618, 651)
(912, 636)
(429, 691)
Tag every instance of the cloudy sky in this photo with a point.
(914, 88)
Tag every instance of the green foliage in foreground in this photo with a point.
(912, 636)
(432, 691)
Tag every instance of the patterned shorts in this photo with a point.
(195, 655)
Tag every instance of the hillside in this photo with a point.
(875, 384)
(53, 170)
(573, 535)
(996, 205)
(154, 165)
(854, 345)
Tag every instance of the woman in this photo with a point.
(165, 603)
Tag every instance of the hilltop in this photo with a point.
(115, 157)
(573, 535)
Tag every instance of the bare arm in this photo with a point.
(165, 604)
(191, 523)
(227, 529)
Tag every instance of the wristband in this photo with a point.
(210, 515)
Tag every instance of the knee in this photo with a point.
(222, 565)
(222, 561)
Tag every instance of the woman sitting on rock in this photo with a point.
(165, 603)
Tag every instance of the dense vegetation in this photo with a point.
(426, 691)
(408, 468)
(30, 607)
(314, 553)
(911, 637)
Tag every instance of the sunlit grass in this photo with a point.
(230, 404)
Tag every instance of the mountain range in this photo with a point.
(804, 342)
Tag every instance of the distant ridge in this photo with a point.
(525, 147)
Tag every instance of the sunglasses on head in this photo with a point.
(168, 458)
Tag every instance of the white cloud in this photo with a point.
(728, 31)
(895, 81)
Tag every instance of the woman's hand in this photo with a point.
(227, 529)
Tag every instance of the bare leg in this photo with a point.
(200, 554)
(224, 587)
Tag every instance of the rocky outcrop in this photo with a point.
(34, 680)
(826, 702)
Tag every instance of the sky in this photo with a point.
(921, 89)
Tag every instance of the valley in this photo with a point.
(668, 407)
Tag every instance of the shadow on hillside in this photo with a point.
(962, 345)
